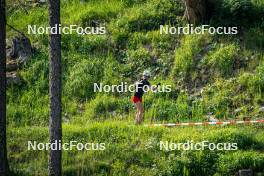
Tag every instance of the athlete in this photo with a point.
(141, 87)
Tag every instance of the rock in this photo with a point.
(9, 53)
(21, 49)
(12, 65)
(8, 43)
(245, 172)
(13, 79)
(238, 110)
(261, 109)
(208, 48)
(212, 118)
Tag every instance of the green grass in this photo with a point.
(132, 44)
(218, 75)
(145, 157)
(184, 56)
(222, 59)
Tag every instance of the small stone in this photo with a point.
(238, 110)
(212, 118)
(261, 109)
(245, 172)
(13, 79)
(12, 65)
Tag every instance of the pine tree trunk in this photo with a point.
(198, 10)
(3, 149)
(55, 89)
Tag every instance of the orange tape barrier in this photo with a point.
(207, 123)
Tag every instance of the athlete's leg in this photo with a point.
(140, 112)
(137, 112)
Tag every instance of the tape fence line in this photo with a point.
(233, 122)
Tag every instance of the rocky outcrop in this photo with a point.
(19, 52)
(12, 65)
(13, 78)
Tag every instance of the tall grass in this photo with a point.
(136, 150)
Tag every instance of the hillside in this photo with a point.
(212, 76)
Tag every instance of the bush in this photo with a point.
(260, 74)
(139, 59)
(191, 45)
(149, 16)
(254, 83)
(160, 48)
(159, 109)
(222, 59)
(235, 13)
(106, 107)
(86, 45)
(218, 98)
(229, 164)
(81, 79)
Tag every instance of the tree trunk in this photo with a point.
(55, 89)
(198, 10)
(3, 149)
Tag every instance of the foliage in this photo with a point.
(236, 12)
(191, 45)
(132, 150)
(221, 76)
(222, 59)
(80, 81)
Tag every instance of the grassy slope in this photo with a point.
(228, 70)
(132, 45)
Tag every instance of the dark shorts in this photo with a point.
(136, 99)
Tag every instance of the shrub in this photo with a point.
(86, 45)
(159, 109)
(235, 12)
(229, 164)
(184, 55)
(254, 83)
(82, 77)
(149, 16)
(160, 48)
(222, 59)
(139, 59)
(105, 107)
(254, 38)
(260, 74)
(218, 97)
